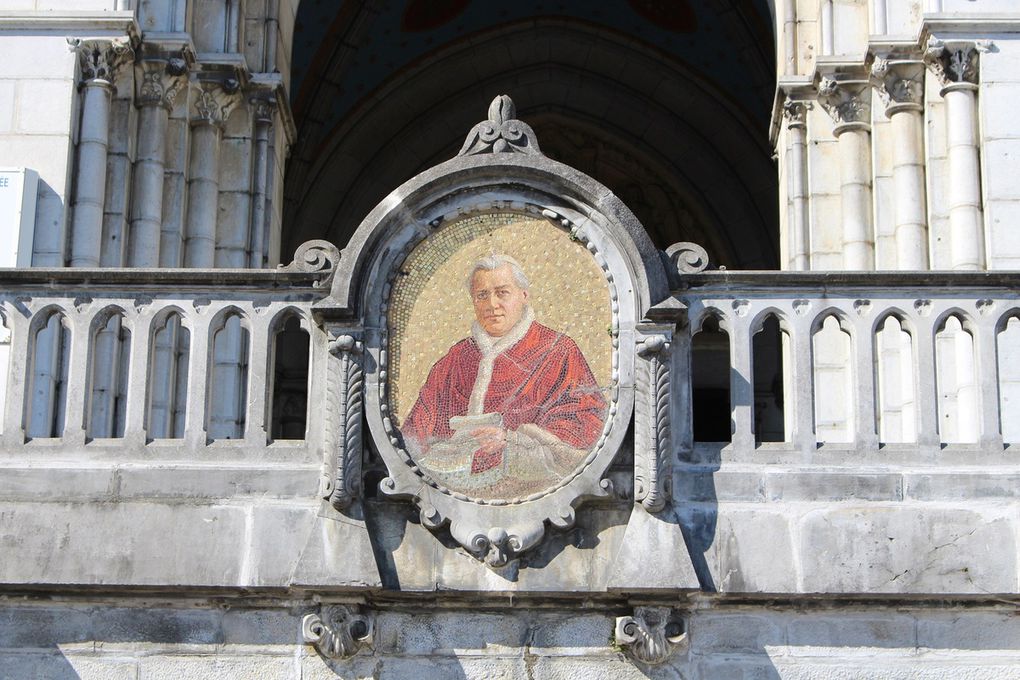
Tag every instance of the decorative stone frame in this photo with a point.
(530, 184)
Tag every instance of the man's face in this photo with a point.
(499, 301)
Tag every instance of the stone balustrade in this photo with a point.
(175, 364)
(891, 360)
(866, 361)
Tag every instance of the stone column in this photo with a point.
(99, 60)
(263, 109)
(955, 65)
(159, 81)
(848, 102)
(797, 179)
(212, 106)
(900, 84)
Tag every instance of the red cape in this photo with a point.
(543, 379)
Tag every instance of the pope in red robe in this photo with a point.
(514, 389)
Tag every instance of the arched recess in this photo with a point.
(686, 150)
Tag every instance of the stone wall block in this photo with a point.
(44, 107)
(176, 666)
(734, 633)
(571, 635)
(121, 544)
(998, 110)
(985, 631)
(235, 164)
(156, 626)
(723, 485)
(851, 629)
(837, 486)
(755, 551)
(7, 105)
(962, 486)
(279, 532)
(907, 550)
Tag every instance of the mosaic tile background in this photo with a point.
(430, 309)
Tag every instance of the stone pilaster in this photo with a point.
(846, 97)
(98, 62)
(899, 80)
(955, 64)
(264, 113)
(213, 102)
(158, 82)
(795, 114)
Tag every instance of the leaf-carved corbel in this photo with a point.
(501, 133)
(317, 257)
(652, 635)
(652, 455)
(338, 631)
(345, 402)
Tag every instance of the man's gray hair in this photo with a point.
(493, 262)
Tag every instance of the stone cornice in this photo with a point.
(971, 24)
(76, 22)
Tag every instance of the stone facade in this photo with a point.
(200, 477)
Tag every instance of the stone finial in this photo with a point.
(338, 631)
(900, 83)
(100, 59)
(954, 62)
(652, 635)
(501, 133)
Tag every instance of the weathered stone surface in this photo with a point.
(907, 550)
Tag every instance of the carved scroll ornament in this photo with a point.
(502, 133)
(652, 635)
(338, 631)
(316, 256)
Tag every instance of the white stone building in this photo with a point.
(186, 489)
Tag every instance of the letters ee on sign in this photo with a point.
(17, 216)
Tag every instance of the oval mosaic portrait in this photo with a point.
(501, 355)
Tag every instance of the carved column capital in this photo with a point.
(652, 635)
(848, 103)
(954, 62)
(100, 60)
(795, 112)
(214, 101)
(159, 81)
(263, 108)
(338, 631)
(900, 82)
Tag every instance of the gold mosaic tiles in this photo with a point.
(430, 309)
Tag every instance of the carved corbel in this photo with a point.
(338, 631)
(652, 635)
(214, 101)
(847, 101)
(954, 62)
(501, 133)
(345, 400)
(99, 60)
(652, 452)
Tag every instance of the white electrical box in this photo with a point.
(17, 216)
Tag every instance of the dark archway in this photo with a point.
(667, 106)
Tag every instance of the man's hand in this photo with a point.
(490, 439)
(491, 442)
